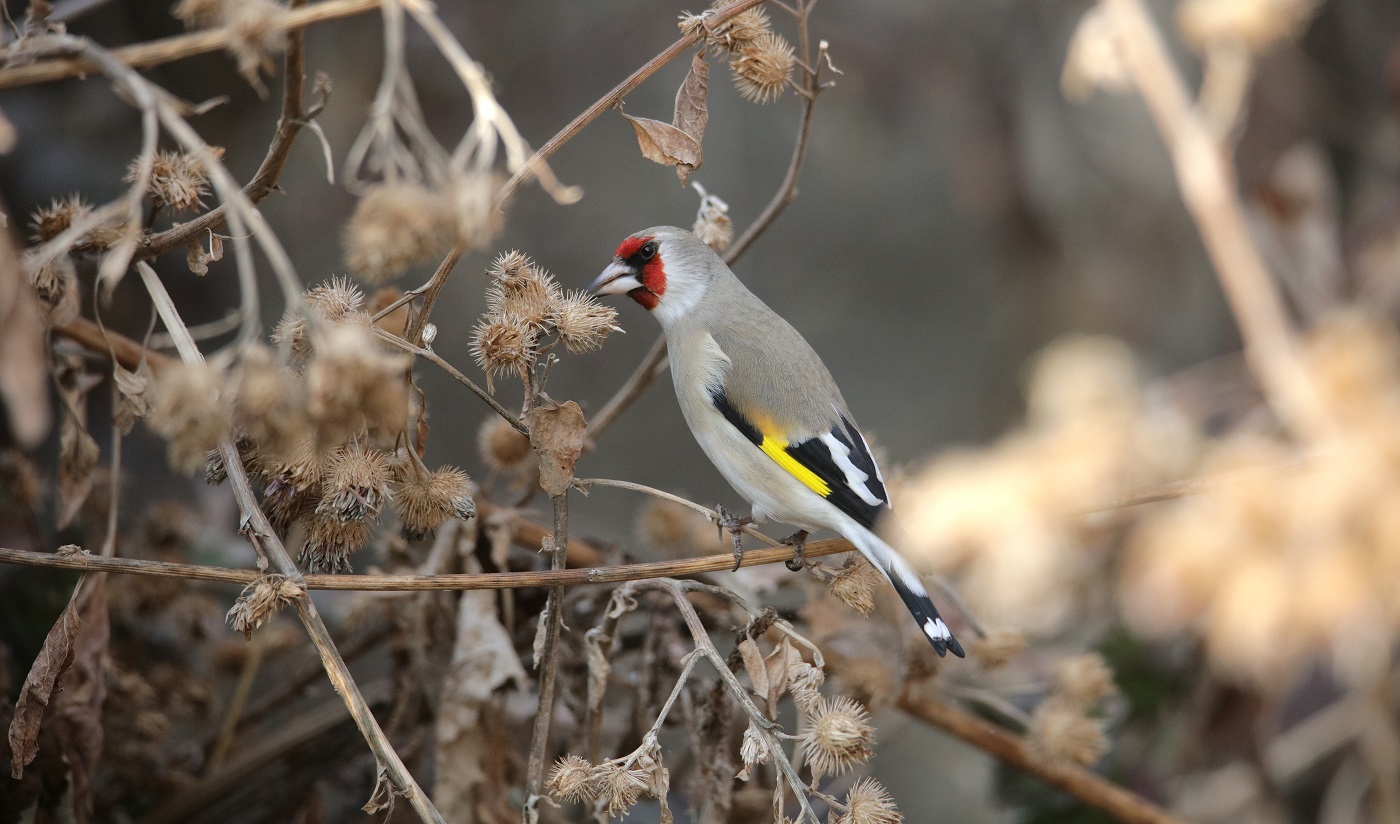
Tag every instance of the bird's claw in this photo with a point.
(798, 542)
(735, 525)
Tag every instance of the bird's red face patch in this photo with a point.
(644, 255)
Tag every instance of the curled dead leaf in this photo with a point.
(692, 114)
(556, 434)
(754, 666)
(55, 657)
(665, 144)
(134, 400)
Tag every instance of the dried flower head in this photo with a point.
(998, 647)
(262, 597)
(177, 180)
(855, 584)
(840, 736)
(424, 500)
(257, 32)
(471, 198)
(504, 344)
(733, 34)
(294, 488)
(330, 542)
(511, 267)
(620, 786)
(712, 223)
(583, 323)
(395, 225)
(761, 68)
(51, 221)
(356, 485)
(200, 12)
(574, 779)
(753, 751)
(868, 802)
(189, 410)
(270, 404)
(56, 285)
(335, 301)
(1083, 680)
(503, 448)
(354, 385)
(534, 299)
(1060, 733)
(804, 682)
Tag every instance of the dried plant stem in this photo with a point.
(156, 52)
(703, 645)
(1125, 806)
(264, 182)
(234, 715)
(549, 666)
(361, 582)
(1207, 180)
(535, 164)
(654, 363)
(270, 549)
(432, 357)
(126, 351)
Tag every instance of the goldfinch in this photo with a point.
(762, 405)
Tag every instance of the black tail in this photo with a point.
(907, 584)
(929, 620)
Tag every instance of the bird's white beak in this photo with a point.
(617, 279)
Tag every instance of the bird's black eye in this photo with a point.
(648, 250)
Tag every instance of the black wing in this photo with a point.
(838, 465)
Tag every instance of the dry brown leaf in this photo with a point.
(483, 661)
(692, 115)
(197, 259)
(54, 659)
(78, 705)
(665, 144)
(134, 401)
(556, 433)
(753, 665)
(780, 661)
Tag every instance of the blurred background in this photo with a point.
(955, 215)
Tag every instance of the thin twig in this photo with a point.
(156, 52)
(1206, 177)
(364, 582)
(706, 647)
(549, 667)
(1123, 805)
(264, 538)
(432, 357)
(264, 182)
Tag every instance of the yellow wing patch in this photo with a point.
(778, 452)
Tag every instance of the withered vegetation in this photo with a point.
(1125, 533)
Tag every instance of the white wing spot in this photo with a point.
(935, 628)
(855, 479)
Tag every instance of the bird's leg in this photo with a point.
(798, 542)
(735, 525)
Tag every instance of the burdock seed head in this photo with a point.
(761, 68)
(395, 225)
(189, 410)
(839, 738)
(424, 500)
